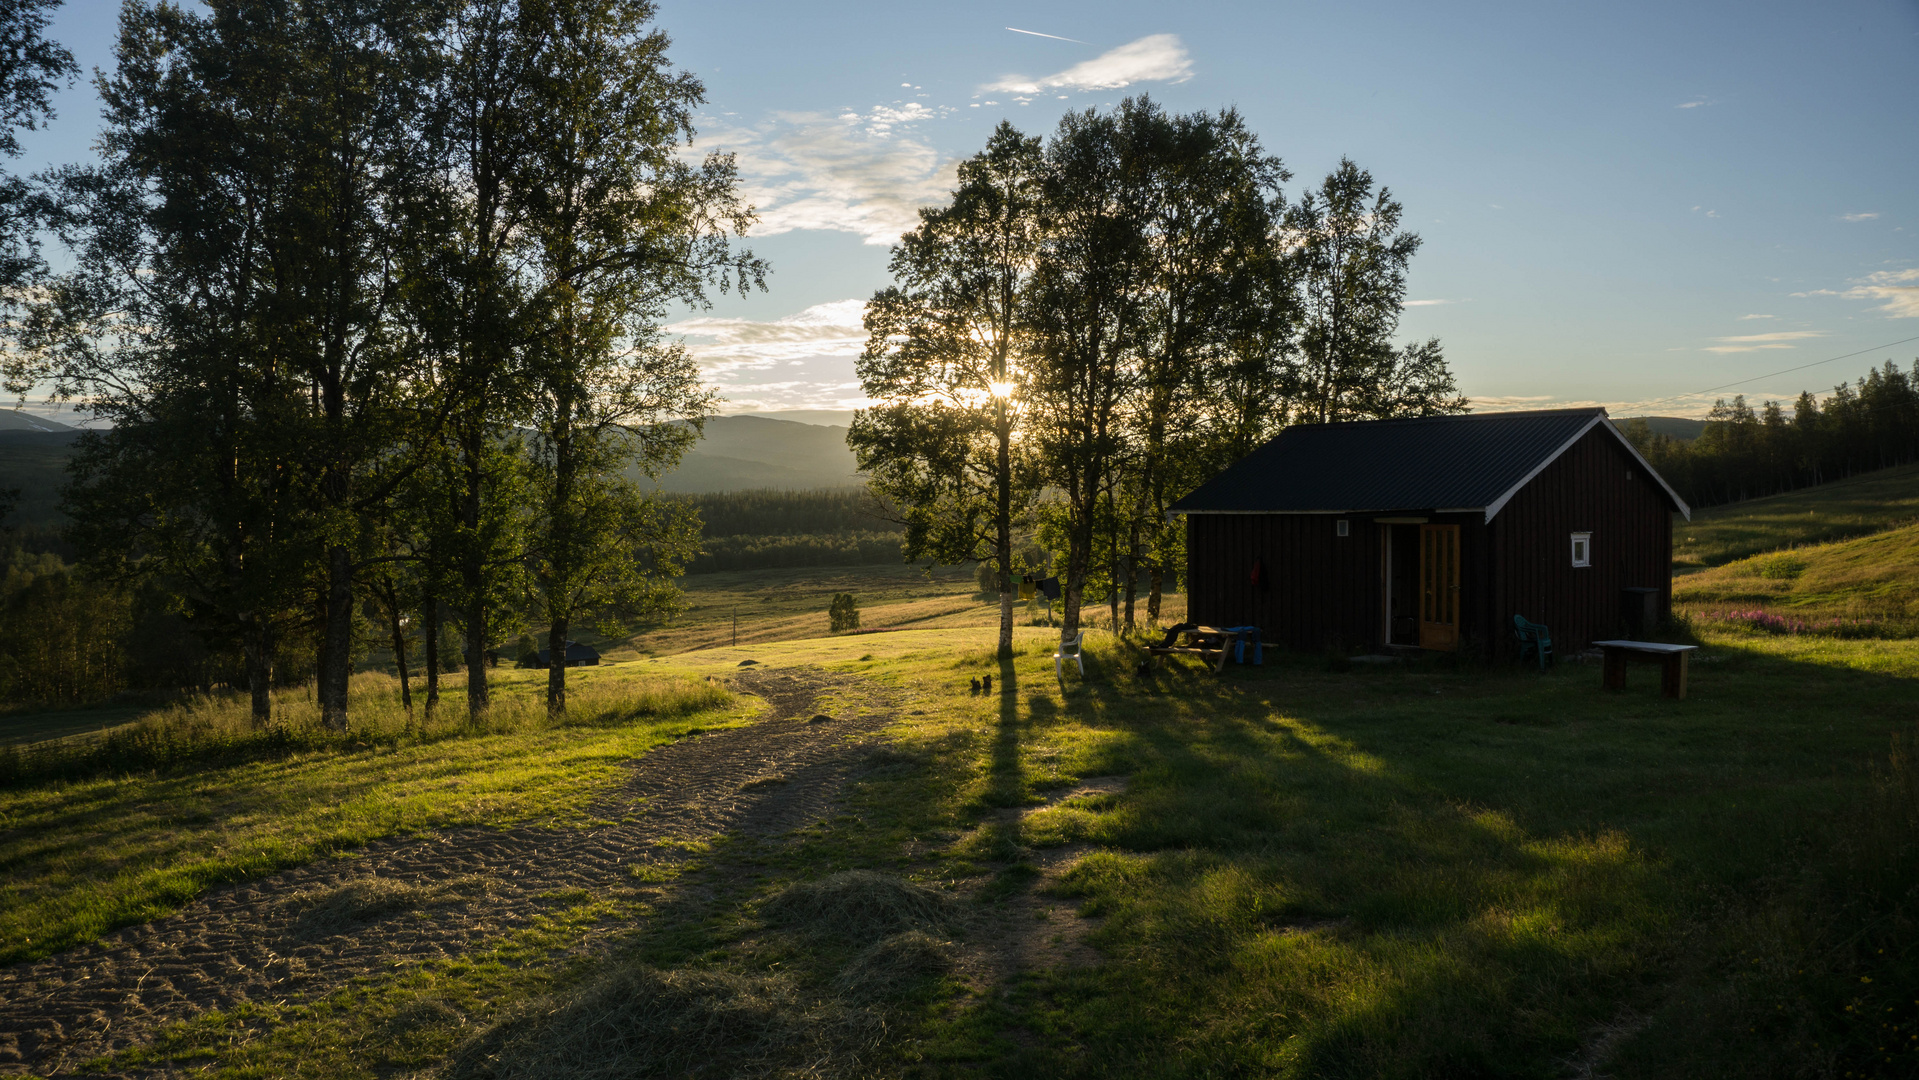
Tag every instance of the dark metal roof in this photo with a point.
(1473, 462)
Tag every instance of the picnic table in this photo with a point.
(1670, 658)
(1210, 643)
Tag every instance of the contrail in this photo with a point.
(1055, 37)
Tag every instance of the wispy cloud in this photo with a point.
(1744, 318)
(1055, 37)
(1427, 303)
(731, 344)
(863, 173)
(1155, 58)
(1695, 103)
(802, 361)
(1781, 339)
(1896, 290)
(1858, 217)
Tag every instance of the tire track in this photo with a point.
(250, 943)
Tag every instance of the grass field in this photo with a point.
(1864, 585)
(1416, 870)
(1405, 871)
(112, 846)
(29, 723)
(1845, 508)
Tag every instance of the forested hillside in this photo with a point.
(767, 529)
(1745, 452)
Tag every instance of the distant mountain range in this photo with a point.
(754, 451)
(738, 453)
(15, 420)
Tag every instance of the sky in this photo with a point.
(1643, 206)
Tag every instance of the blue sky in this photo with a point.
(1621, 204)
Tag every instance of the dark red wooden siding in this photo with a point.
(1320, 588)
(1587, 489)
(1323, 589)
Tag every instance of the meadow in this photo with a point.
(1417, 869)
(1412, 870)
(1863, 587)
(127, 826)
(1864, 504)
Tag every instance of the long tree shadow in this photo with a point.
(1429, 872)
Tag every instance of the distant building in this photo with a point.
(1434, 532)
(577, 655)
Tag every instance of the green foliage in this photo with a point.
(777, 552)
(1746, 453)
(778, 512)
(60, 635)
(844, 614)
(1110, 316)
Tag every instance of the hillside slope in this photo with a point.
(738, 453)
(1869, 578)
(1863, 504)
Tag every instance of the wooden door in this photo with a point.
(1439, 587)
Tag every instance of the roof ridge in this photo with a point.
(1585, 410)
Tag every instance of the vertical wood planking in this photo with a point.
(1324, 589)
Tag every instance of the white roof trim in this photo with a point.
(1353, 511)
(1500, 503)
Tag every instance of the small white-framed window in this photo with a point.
(1582, 549)
(1341, 528)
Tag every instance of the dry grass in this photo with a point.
(322, 913)
(635, 1020)
(861, 905)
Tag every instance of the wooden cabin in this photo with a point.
(1434, 533)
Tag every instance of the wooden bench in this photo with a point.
(1670, 658)
(1210, 643)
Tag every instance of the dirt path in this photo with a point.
(305, 932)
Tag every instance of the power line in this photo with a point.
(1769, 375)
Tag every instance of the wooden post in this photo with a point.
(1615, 674)
(1672, 676)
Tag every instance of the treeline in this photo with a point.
(779, 512)
(1098, 321)
(1745, 453)
(785, 552)
(777, 529)
(369, 298)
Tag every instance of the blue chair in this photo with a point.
(1533, 638)
(1239, 645)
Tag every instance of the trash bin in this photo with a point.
(1639, 607)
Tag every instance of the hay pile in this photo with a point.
(637, 1021)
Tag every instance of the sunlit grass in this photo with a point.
(194, 796)
(1863, 504)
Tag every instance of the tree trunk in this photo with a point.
(399, 648)
(1152, 597)
(473, 580)
(336, 661)
(430, 616)
(257, 645)
(1132, 572)
(1003, 525)
(477, 699)
(556, 669)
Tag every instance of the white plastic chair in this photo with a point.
(1073, 649)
